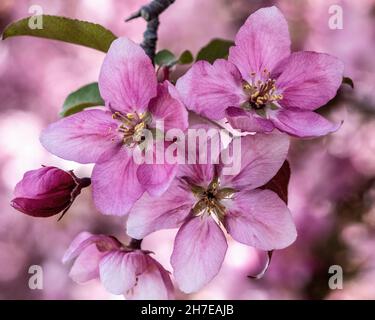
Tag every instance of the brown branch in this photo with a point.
(151, 13)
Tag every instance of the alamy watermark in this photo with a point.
(336, 19)
(36, 279)
(36, 20)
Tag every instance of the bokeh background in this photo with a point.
(331, 193)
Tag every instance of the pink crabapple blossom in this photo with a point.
(202, 202)
(263, 85)
(107, 137)
(122, 270)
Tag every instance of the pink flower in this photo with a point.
(121, 270)
(202, 200)
(263, 85)
(108, 137)
(47, 191)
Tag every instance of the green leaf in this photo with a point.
(186, 57)
(348, 81)
(64, 29)
(165, 58)
(85, 97)
(215, 49)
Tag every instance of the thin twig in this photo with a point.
(151, 13)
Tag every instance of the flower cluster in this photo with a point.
(262, 89)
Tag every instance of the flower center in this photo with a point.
(260, 92)
(132, 127)
(209, 199)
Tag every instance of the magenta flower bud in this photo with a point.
(47, 191)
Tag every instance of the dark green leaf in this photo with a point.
(85, 97)
(215, 49)
(165, 58)
(64, 29)
(348, 81)
(186, 57)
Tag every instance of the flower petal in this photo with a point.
(127, 80)
(85, 239)
(82, 137)
(261, 42)
(150, 214)
(210, 89)
(119, 270)
(154, 284)
(45, 206)
(168, 108)
(115, 185)
(86, 266)
(198, 253)
(262, 155)
(260, 219)
(247, 121)
(308, 80)
(43, 180)
(156, 176)
(303, 124)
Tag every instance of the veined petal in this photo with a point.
(261, 42)
(82, 137)
(303, 123)
(154, 176)
(168, 108)
(115, 185)
(150, 214)
(308, 80)
(119, 270)
(154, 284)
(86, 266)
(198, 253)
(127, 80)
(209, 89)
(259, 218)
(262, 155)
(43, 180)
(85, 239)
(247, 121)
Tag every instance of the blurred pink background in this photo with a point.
(331, 193)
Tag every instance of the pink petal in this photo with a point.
(154, 177)
(119, 270)
(167, 107)
(150, 214)
(127, 79)
(210, 89)
(82, 137)
(43, 206)
(153, 284)
(43, 180)
(247, 121)
(308, 80)
(86, 266)
(202, 155)
(261, 42)
(75, 247)
(304, 124)
(262, 155)
(115, 184)
(259, 218)
(198, 253)
(85, 239)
